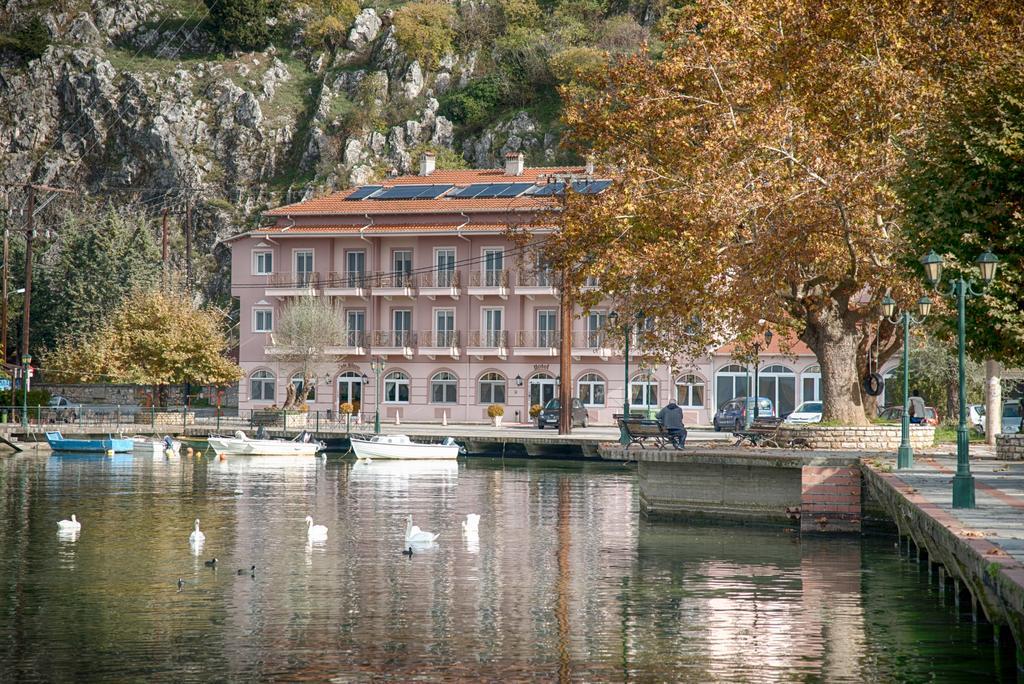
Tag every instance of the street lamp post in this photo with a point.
(26, 359)
(960, 289)
(377, 367)
(613, 318)
(768, 334)
(905, 454)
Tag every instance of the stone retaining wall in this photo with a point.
(1010, 447)
(865, 438)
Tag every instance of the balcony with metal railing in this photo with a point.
(489, 282)
(292, 284)
(393, 343)
(483, 343)
(535, 343)
(591, 344)
(391, 284)
(347, 284)
(434, 343)
(441, 283)
(535, 283)
(354, 344)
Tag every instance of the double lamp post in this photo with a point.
(959, 289)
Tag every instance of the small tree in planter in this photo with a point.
(535, 410)
(303, 333)
(496, 411)
(347, 409)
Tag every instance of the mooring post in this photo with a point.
(956, 596)
(974, 608)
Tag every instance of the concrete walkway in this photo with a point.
(982, 546)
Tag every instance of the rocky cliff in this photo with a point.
(132, 100)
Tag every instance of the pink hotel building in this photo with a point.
(462, 316)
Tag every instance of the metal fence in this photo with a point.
(176, 419)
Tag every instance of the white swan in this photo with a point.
(69, 525)
(196, 537)
(471, 524)
(315, 532)
(414, 535)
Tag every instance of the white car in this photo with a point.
(807, 412)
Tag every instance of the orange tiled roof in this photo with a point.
(323, 229)
(336, 204)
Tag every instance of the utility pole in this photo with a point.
(166, 251)
(3, 305)
(29, 235)
(565, 358)
(188, 246)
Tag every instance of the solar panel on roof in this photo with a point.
(512, 189)
(399, 192)
(363, 192)
(595, 187)
(470, 191)
(549, 189)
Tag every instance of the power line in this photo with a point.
(119, 114)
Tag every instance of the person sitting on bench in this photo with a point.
(671, 417)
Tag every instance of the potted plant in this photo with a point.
(535, 410)
(496, 411)
(347, 409)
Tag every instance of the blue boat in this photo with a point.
(59, 443)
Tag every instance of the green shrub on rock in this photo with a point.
(240, 24)
(425, 29)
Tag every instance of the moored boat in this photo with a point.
(150, 446)
(58, 442)
(400, 447)
(240, 444)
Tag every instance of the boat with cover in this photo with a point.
(402, 448)
(150, 446)
(240, 444)
(58, 442)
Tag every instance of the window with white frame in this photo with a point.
(262, 386)
(396, 388)
(643, 391)
(690, 391)
(731, 382)
(263, 320)
(444, 387)
(492, 388)
(262, 262)
(298, 384)
(811, 383)
(591, 390)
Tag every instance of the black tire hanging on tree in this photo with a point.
(873, 384)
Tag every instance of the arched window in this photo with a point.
(643, 390)
(730, 382)
(492, 388)
(690, 391)
(591, 390)
(262, 386)
(396, 388)
(350, 389)
(444, 388)
(811, 383)
(778, 383)
(297, 383)
(543, 388)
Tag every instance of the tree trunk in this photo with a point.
(835, 342)
(307, 385)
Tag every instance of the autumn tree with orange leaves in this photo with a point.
(757, 156)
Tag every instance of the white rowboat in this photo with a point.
(400, 447)
(241, 445)
(147, 446)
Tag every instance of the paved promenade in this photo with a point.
(984, 546)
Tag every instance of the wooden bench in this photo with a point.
(764, 432)
(638, 430)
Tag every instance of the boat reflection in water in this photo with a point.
(393, 475)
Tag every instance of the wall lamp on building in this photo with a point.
(960, 289)
(519, 381)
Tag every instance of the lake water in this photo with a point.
(563, 583)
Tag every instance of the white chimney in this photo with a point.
(427, 162)
(514, 164)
